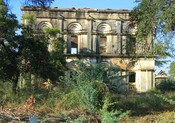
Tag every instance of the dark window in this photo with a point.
(103, 44)
(132, 77)
(131, 45)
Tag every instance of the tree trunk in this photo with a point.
(15, 82)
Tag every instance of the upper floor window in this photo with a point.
(131, 45)
(73, 29)
(74, 44)
(103, 29)
(103, 44)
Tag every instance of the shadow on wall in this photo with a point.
(86, 51)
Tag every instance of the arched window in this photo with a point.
(73, 29)
(102, 29)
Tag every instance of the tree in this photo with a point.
(39, 3)
(28, 52)
(35, 58)
(157, 18)
(172, 70)
(8, 52)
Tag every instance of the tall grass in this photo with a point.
(88, 94)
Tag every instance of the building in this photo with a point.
(160, 77)
(101, 36)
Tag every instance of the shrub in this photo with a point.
(166, 85)
(87, 89)
(141, 104)
(92, 82)
(111, 116)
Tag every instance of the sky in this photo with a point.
(98, 4)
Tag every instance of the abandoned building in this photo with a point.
(101, 35)
(161, 76)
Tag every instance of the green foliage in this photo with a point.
(172, 70)
(51, 31)
(82, 94)
(43, 96)
(8, 25)
(87, 89)
(170, 101)
(144, 15)
(89, 84)
(57, 58)
(30, 20)
(141, 104)
(43, 62)
(166, 85)
(8, 22)
(156, 18)
(80, 119)
(28, 53)
(6, 93)
(113, 116)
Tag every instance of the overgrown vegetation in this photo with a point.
(85, 91)
(91, 93)
(166, 86)
(84, 95)
(156, 18)
(77, 100)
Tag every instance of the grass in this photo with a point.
(142, 104)
(75, 104)
(161, 117)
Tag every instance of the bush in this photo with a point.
(141, 104)
(166, 85)
(6, 94)
(86, 93)
(87, 89)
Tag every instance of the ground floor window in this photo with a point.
(132, 80)
(132, 77)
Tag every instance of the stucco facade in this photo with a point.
(101, 36)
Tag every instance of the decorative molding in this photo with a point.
(44, 24)
(74, 27)
(104, 28)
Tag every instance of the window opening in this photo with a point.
(132, 77)
(103, 44)
(131, 45)
(74, 44)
